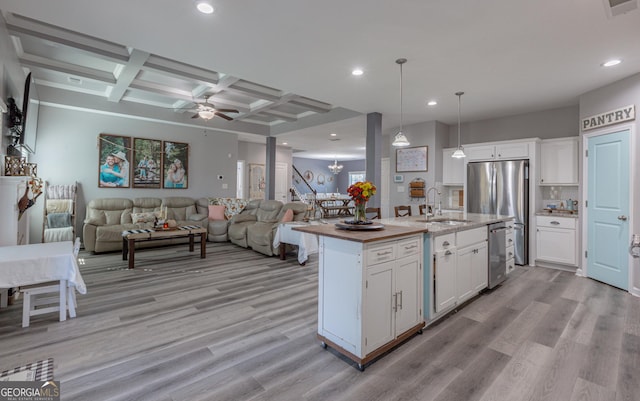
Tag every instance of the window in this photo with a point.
(355, 176)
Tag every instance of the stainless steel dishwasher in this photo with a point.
(497, 254)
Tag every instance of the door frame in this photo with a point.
(584, 211)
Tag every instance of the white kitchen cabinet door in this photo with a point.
(480, 267)
(379, 306)
(518, 150)
(452, 168)
(408, 278)
(464, 282)
(445, 285)
(556, 245)
(559, 162)
(480, 152)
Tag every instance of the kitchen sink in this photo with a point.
(445, 221)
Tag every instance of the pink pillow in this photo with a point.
(216, 212)
(288, 216)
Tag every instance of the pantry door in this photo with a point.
(608, 208)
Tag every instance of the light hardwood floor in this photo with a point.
(241, 326)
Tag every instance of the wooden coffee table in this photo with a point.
(130, 237)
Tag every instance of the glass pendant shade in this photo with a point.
(458, 154)
(400, 140)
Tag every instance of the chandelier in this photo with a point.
(335, 168)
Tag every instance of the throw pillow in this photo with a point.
(146, 217)
(288, 216)
(216, 212)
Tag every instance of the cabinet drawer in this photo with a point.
(442, 242)
(510, 252)
(408, 247)
(472, 236)
(511, 264)
(556, 222)
(381, 253)
(510, 225)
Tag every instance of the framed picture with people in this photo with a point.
(113, 165)
(147, 163)
(175, 164)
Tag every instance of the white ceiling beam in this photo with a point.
(180, 70)
(31, 60)
(19, 25)
(129, 73)
(311, 104)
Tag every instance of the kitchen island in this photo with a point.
(376, 287)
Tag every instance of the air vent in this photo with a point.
(617, 7)
(74, 80)
(334, 139)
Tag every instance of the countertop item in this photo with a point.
(558, 212)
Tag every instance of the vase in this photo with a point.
(359, 215)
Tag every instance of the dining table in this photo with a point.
(22, 265)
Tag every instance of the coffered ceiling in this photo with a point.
(285, 65)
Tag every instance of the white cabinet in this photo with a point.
(452, 168)
(461, 267)
(14, 230)
(369, 294)
(559, 161)
(499, 151)
(556, 239)
(510, 246)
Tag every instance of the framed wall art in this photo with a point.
(411, 159)
(147, 162)
(113, 161)
(175, 164)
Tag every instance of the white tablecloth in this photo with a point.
(37, 263)
(307, 243)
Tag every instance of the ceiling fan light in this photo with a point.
(400, 140)
(206, 114)
(458, 154)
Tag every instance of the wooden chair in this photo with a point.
(371, 210)
(45, 297)
(402, 211)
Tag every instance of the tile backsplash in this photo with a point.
(558, 196)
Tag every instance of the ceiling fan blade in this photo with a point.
(228, 110)
(226, 117)
(195, 115)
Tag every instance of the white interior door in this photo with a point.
(282, 182)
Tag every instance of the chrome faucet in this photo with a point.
(430, 207)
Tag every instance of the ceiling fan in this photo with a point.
(207, 111)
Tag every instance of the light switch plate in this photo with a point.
(400, 188)
(225, 186)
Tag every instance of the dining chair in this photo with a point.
(371, 210)
(402, 211)
(44, 298)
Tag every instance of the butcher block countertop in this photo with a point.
(388, 232)
(403, 226)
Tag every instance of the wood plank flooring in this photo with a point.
(241, 326)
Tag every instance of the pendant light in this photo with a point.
(335, 167)
(459, 153)
(400, 140)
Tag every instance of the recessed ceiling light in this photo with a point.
(611, 63)
(431, 103)
(204, 7)
(333, 134)
(285, 143)
(357, 72)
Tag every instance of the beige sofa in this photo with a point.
(107, 218)
(256, 225)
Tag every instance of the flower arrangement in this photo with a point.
(361, 191)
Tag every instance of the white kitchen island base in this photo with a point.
(369, 289)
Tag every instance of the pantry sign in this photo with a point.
(609, 118)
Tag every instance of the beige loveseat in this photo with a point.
(256, 225)
(107, 218)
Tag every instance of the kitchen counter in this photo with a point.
(401, 226)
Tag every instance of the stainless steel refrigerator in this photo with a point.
(502, 188)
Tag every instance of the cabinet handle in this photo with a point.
(410, 247)
(383, 253)
(510, 254)
(447, 253)
(510, 240)
(446, 243)
(395, 302)
(623, 218)
(400, 303)
(555, 223)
